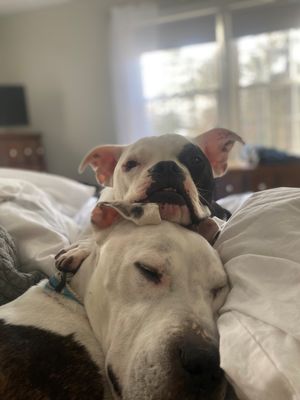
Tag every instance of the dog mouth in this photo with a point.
(171, 200)
(167, 195)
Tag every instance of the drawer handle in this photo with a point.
(262, 186)
(28, 151)
(229, 188)
(13, 153)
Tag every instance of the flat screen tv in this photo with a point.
(13, 110)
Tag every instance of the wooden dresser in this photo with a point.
(260, 178)
(22, 150)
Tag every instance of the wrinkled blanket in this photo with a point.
(13, 282)
(38, 225)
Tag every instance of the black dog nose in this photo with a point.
(201, 361)
(165, 167)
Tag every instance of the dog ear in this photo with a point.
(208, 228)
(102, 160)
(216, 145)
(105, 214)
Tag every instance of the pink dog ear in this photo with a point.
(102, 160)
(104, 216)
(216, 145)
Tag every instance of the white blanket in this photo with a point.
(260, 321)
(38, 222)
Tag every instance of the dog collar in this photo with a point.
(58, 283)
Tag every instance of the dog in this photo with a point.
(169, 170)
(146, 329)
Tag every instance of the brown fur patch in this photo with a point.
(40, 365)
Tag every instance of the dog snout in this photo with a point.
(200, 362)
(165, 167)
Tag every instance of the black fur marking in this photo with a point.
(220, 212)
(201, 172)
(199, 167)
(36, 364)
(137, 212)
(168, 175)
(114, 381)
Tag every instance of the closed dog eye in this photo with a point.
(130, 164)
(150, 273)
(217, 290)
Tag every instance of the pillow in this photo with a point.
(233, 202)
(259, 323)
(69, 194)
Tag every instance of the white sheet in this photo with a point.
(39, 224)
(260, 321)
(69, 195)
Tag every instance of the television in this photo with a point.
(13, 109)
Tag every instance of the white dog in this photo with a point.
(168, 170)
(147, 328)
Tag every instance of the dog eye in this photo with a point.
(216, 291)
(150, 273)
(129, 165)
(198, 160)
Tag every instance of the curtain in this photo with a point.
(130, 115)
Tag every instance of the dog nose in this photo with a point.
(165, 167)
(201, 361)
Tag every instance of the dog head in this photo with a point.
(169, 170)
(152, 305)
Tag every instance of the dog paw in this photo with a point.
(71, 258)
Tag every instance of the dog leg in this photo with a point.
(70, 258)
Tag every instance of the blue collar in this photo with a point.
(58, 283)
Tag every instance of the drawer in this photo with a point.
(22, 151)
(235, 181)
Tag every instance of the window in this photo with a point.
(268, 86)
(192, 87)
(180, 88)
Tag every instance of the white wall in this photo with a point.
(61, 55)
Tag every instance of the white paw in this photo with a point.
(70, 259)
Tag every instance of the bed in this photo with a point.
(259, 323)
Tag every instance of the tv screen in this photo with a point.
(13, 110)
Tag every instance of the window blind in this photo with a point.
(265, 18)
(178, 33)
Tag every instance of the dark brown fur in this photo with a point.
(40, 365)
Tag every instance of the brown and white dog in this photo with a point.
(169, 170)
(145, 330)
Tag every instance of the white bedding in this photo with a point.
(69, 196)
(43, 213)
(260, 321)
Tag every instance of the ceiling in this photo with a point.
(11, 6)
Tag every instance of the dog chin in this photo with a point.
(175, 213)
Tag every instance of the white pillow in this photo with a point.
(233, 202)
(69, 194)
(260, 321)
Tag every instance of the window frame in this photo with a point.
(229, 89)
